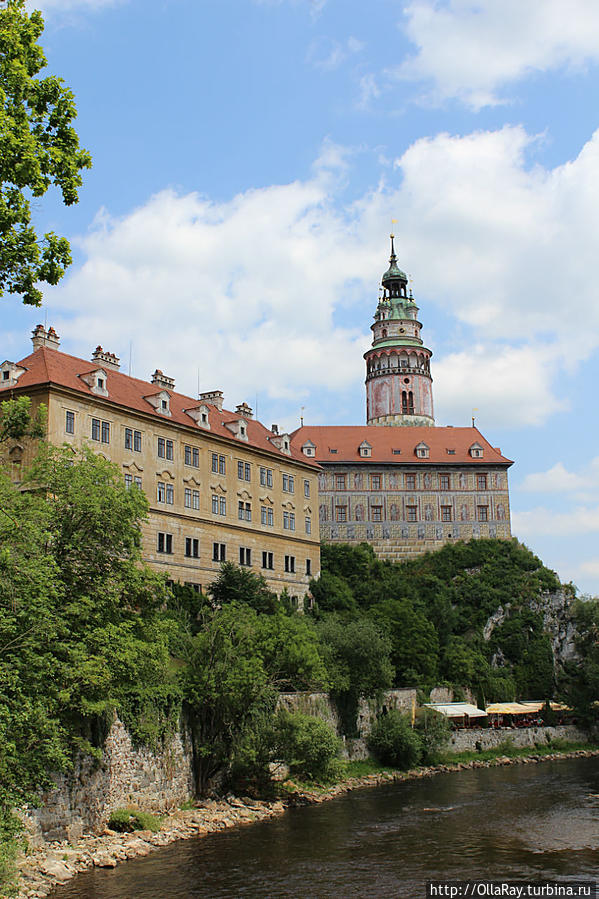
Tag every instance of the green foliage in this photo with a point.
(308, 745)
(241, 585)
(580, 681)
(38, 148)
(126, 820)
(393, 741)
(434, 731)
(434, 608)
(16, 421)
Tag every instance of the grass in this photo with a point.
(508, 749)
(125, 820)
(363, 768)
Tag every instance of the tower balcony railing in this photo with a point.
(398, 369)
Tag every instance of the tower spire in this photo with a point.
(398, 378)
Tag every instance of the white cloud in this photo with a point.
(328, 54)
(506, 386)
(260, 292)
(541, 520)
(369, 90)
(470, 49)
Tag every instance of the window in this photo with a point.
(375, 482)
(69, 424)
(137, 441)
(333, 451)
(290, 564)
(377, 513)
(289, 521)
(218, 464)
(268, 560)
(129, 438)
(195, 499)
(396, 452)
(341, 513)
(308, 525)
(444, 481)
(307, 488)
(192, 456)
(128, 481)
(192, 548)
(339, 482)
(482, 513)
(445, 513)
(137, 482)
(308, 567)
(288, 483)
(165, 543)
(267, 516)
(410, 482)
(170, 494)
(188, 497)
(245, 555)
(160, 492)
(95, 428)
(266, 477)
(219, 552)
(101, 383)
(161, 448)
(481, 482)
(105, 432)
(244, 511)
(219, 505)
(169, 450)
(412, 513)
(244, 471)
(451, 452)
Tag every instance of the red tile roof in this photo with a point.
(386, 438)
(49, 366)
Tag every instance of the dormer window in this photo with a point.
(238, 428)
(282, 442)
(160, 401)
(309, 448)
(422, 451)
(365, 449)
(476, 451)
(97, 381)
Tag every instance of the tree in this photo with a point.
(16, 421)
(38, 148)
(393, 741)
(236, 584)
(414, 641)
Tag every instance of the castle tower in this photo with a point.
(399, 387)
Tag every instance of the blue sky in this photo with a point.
(249, 156)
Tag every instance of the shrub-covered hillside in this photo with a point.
(471, 614)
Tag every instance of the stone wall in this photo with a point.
(489, 738)
(320, 705)
(84, 798)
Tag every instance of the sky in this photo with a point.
(249, 158)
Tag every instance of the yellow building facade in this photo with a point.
(221, 486)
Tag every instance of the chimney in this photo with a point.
(244, 411)
(108, 360)
(162, 380)
(40, 337)
(274, 429)
(214, 397)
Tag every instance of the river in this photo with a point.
(527, 822)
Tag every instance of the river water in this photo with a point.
(529, 822)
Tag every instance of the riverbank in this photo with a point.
(44, 868)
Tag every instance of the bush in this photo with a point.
(393, 742)
(125, 820)
(434, 731)
(308, 745)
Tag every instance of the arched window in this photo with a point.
(384, 332)
(404, 402)
(411, 403)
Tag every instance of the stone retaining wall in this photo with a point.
(84, 798)
(489, 738)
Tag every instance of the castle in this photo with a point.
(399, 482)
(223, 487)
